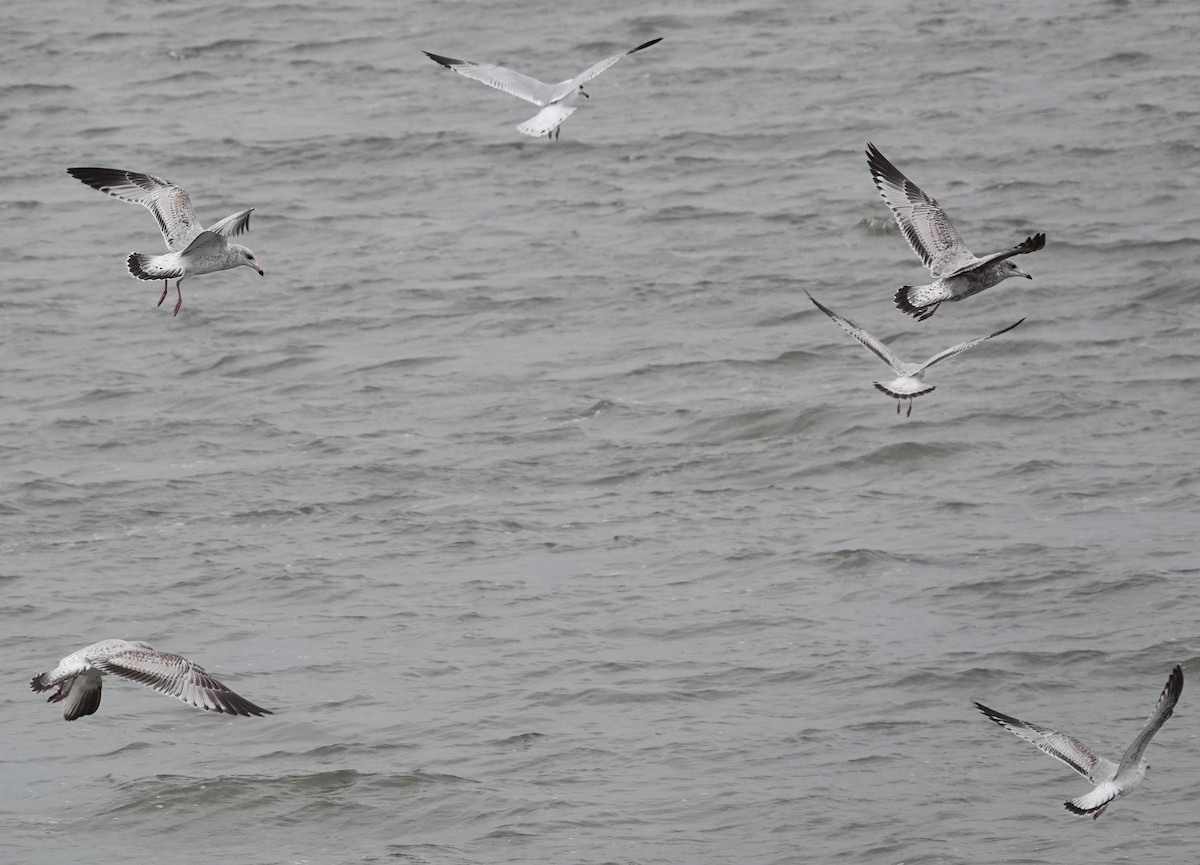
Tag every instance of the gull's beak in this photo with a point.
(1026, 275)
(259, 269)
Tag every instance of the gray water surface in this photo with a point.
(529, 489)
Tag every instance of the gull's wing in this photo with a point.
(1163, 710)
(170, 205)
(921, 218)
(83, 695)
(521, 86)
(206, 242)
(1060, 746)
(232, 225)
(178, 677)
(566, 87)
(1029, 244)
(963, 346)
(881, 351)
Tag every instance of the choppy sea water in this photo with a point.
(529, 489)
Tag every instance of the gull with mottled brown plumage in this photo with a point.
(1111, 779)
(194, 249)
(957, 272)
(79, 677)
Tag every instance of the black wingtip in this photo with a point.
(1075, 809)
(996, 717)
(448, 62)
(644, 45)
(1175, 682)
(882, 168)
(1006, 330)
(98, 178)
(819, 305)
(247, 710)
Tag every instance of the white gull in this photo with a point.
(910, 377)
(193, 249)
(957, 271)
(1111, 779)
(557, 101)
(80, 674)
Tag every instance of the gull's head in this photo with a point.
(246, 257)
(1010, 269)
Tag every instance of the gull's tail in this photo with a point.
(1094, 802)
(919, 301)
(152, 267)
(546, 120)
(897, 389)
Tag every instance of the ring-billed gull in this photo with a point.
(957, 272)
(1111, 779)
(193, 249)
(79, 676)
(558, 101)
(910, 377)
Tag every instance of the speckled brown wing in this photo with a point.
(1058, 745)
(171, 206)
(922, 220)
(180, 678)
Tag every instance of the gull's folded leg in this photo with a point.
(179, 302)
(163, 296)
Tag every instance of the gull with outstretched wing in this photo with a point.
(194, 249)
(957, 272)
(79, 676)
(910, 377)
(557, 101)
(1111, 779)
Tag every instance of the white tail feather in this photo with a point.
(1095, 801)
(152, 267)
(546, 120)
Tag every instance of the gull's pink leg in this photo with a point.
(909, 409)
(166, 285)
(897, 406)
(179, 302)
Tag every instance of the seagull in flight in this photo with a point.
(193, 249)
(557, 101)
(957, 272)
(79, 676)
(1111, 779)
(909, 382)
